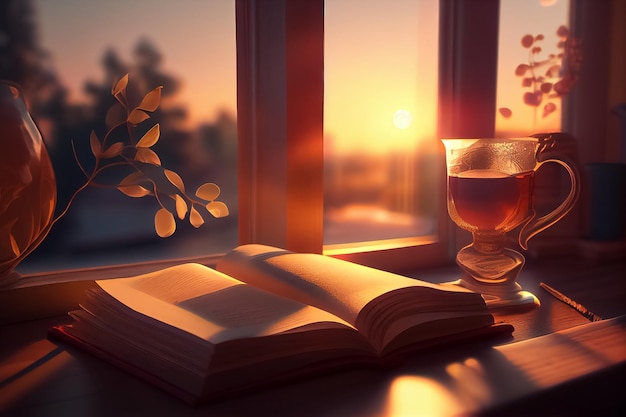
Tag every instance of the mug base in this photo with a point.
(502, 297)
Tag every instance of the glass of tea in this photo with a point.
(490, 193)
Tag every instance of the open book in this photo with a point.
(266, 315)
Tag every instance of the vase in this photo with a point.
(27, 183)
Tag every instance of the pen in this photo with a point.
(576, 306)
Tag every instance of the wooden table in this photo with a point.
(556, 363)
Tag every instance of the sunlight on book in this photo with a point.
(267, 315)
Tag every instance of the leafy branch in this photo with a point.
(147, 177)
(555, 81)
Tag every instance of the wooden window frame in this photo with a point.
(280, 121)
(280, 93)
(281, 135)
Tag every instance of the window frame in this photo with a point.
(280, 87)
(281, 166)
(291, 222)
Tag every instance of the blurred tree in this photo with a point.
(66, 126)
(23, 60)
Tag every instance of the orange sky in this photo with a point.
(379, 59)
(385, 60)
(197, 42)
(519, 18)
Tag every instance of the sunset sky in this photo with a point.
(378, 60)
(197, 42)
(519, 18)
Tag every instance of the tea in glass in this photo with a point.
(490, 193)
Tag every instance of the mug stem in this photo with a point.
(488, 243)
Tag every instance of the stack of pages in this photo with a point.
(264, 316)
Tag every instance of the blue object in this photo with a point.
(607, 183)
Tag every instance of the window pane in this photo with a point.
(522, 73)
(380, 118)
(188, 47)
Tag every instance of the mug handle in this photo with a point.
(536, 225)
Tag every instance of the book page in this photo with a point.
(213, 306)
(340, 287)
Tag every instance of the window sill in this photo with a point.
(38, 296)
(41, 295)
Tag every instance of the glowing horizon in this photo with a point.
(372, 70)
(363, 90)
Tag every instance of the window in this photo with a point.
(84, 47)
(283, 204)
(468, 52)
(280, 112)
(280, 85)
(529, 114)
(380, 121)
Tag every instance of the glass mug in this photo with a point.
(490, 193)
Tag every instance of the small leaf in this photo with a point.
(208, 191)
(521, 69)
(164, 223)
(175, 179)
(564, 86)
(137, 116)
(562, 31)
(533, 99)
(113, 150)
(553, 71)
(548, 108)
(133, 179)
(527, 82)
(151, 100)
(148, 156)
(120, 86)
(150, 138)
(115, 115)
(536, 49)
(217, 209)
(195, 218)
(181, 206)
(546, 88)
(96, 147)
(527, 41)
(132, 185)
(505, 112)
(136, 191)
(539, 37)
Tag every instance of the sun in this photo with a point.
(402, 119)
